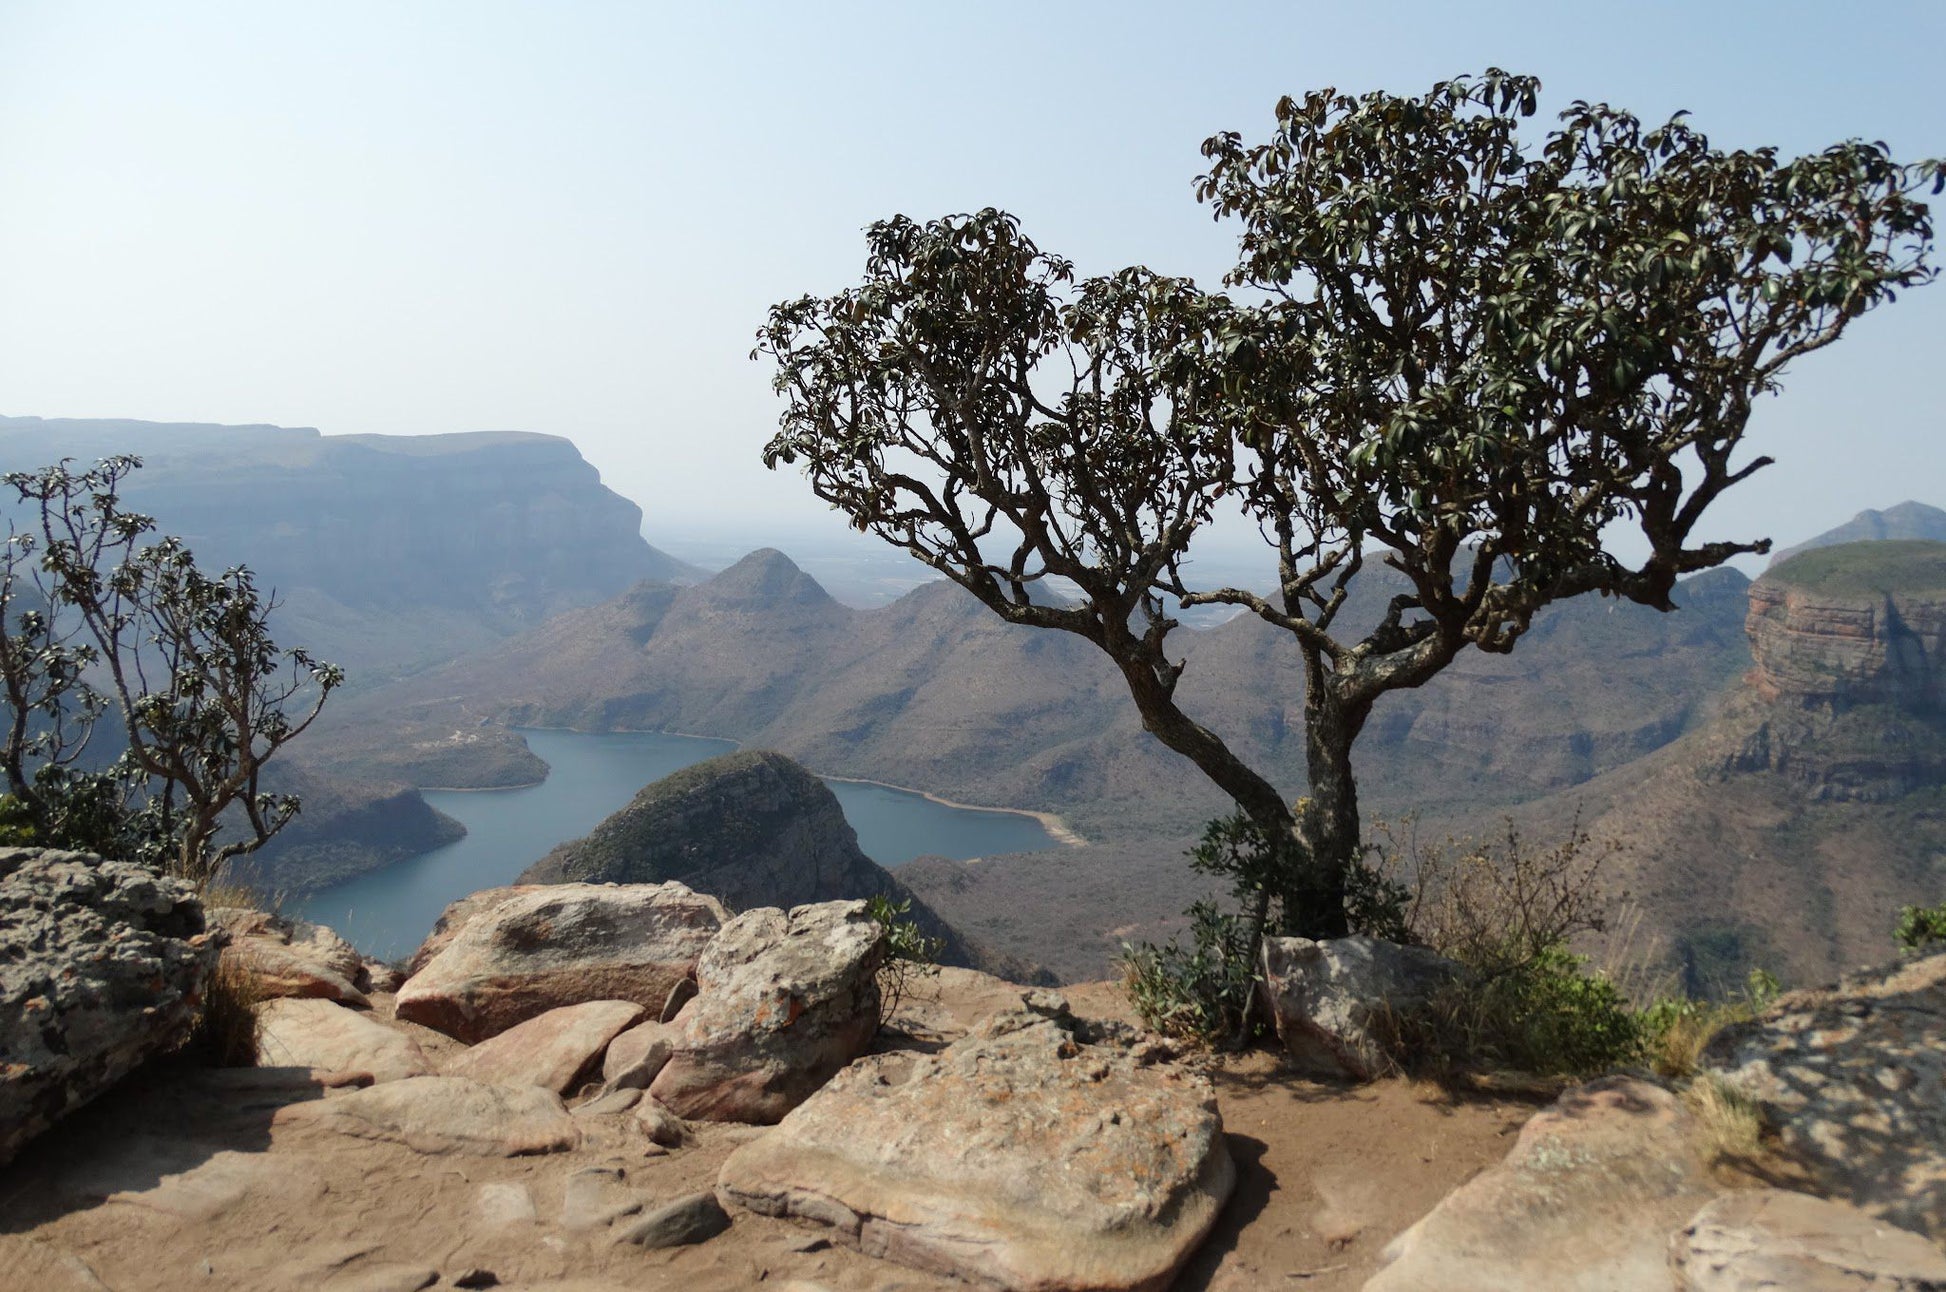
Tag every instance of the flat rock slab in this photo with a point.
(446, 1115)
(1020, 1156)
(325, 1035)
(560, 944)
(555, 1050)
(1760, 1240)
(783, 1001)
(1584, 1202)
(1854, 1081)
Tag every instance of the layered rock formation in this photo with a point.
(102, 965)
(387, 552)
(1853, 625)
(753, 829)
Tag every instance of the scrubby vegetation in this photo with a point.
(1922, 928)
(1506, 913)
(910, 955)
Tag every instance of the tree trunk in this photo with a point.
(1329, 825)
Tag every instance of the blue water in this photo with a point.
(388, 913)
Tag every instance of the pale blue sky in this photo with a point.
(570, 217)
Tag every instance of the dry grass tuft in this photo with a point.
(225, 1035)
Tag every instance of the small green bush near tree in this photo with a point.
(1922, 928)
(910, 956)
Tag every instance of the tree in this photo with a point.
(1481, 363)
(95, 620)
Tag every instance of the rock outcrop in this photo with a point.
(561, 945)
(1334, 1002)
(476, 536)
(1771, 1240)
(755, 829)
(1853, 1080)
(1585, 1202)
(326, 1036)
(102, 965)
(784, 1000)
(292, 957)
(1861, 623)
(1029, 1154)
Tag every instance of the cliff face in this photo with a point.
(1823, 632)
(387, 552)
(754, 829)
(1848, 692)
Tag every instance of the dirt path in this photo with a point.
(179, 1180)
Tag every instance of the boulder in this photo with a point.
(437, 1115)
(783, 1001)
(325, 1035)
(1584, 1202)
(556, 1050)
(561, 944)
(291, 957)
(1853, 1079)
(696, 1218)
(102, 965)
(1761, 1239)
(455, 917)
(637, 1055)
(1332, 1001)
(1028, 1154)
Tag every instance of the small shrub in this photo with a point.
(1199, 993)
(1547, 1015)
(225, 1035)
(1922, 928)
(1676, 1029)
(910, 956)
(1732, 1127)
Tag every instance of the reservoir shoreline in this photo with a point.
(1059, 830)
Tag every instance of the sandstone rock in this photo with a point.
(1019, 1155)
(102, 965)
(437, 1115)
(292, 958)
(455, 917)
(693, 1219)
(1760, 1239)
(637, 1055)
(1585, 1202)
(610, 1103)
(561, 945)
(1330, 999)
(556, 1049)
(1822, 633)
(783, 1002)
(325, 1035)
(1854, 1080)
(660, 1125)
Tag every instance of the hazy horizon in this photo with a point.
(441, 218)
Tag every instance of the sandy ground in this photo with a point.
(178, 1179)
